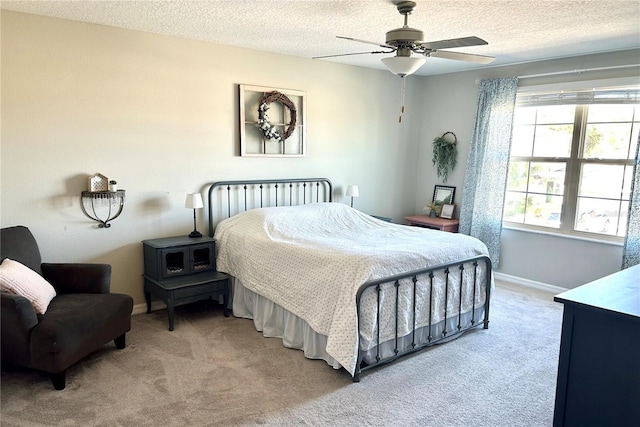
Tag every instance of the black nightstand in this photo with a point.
(181, 269)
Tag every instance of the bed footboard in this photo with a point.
(443, 302)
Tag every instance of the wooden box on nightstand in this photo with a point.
(436, 223)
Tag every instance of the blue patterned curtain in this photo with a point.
(486, 174)
(631, 249)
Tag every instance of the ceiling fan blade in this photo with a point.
(461, 42)
(349, 54)
(367, 42)
(459, 56)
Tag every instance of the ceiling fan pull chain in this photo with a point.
(401, 100)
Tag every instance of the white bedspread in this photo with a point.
(311, 259)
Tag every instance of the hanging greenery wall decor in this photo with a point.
(445, 155)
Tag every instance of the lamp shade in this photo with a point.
(353, 191)
(194, 201)
(403, 65)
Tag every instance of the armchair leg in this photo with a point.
(120, 341)
(59, 380)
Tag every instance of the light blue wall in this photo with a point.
(450, 105)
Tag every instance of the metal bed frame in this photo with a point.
(244, 195)
(271, 192)
(428, 275)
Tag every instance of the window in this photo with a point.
(571, 162)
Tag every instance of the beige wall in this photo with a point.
(160, 115)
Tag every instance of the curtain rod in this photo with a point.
(577, 71)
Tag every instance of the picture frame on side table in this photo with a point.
(447, 211)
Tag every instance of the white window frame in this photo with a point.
(574, 162)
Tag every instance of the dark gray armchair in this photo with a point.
(80, 319)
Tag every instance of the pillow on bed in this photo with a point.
(19, 279)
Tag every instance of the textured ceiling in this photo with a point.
(517, 31)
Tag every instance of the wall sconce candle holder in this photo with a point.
(109, 202)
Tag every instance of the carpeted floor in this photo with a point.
(213, 370)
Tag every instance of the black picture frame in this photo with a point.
(443, 195)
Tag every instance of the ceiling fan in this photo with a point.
(406, 41)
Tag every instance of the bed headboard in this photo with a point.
(227, 198)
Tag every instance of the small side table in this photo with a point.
(182, 269)
(180, 290)
(436, 223)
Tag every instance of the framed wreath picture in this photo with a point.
(272, 122)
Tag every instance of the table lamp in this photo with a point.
(353, 191)
(194, 201)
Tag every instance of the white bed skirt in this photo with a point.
(274, 321)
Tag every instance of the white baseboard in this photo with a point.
(529, 283)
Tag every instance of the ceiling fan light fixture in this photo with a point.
(403, 65)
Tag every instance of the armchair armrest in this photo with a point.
(78, 278)
(17, 310)
(17, 318)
